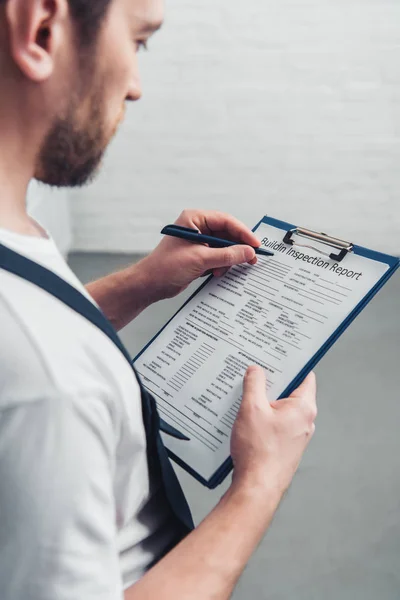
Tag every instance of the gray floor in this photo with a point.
(337, 532)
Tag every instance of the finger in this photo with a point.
(214, 258)
(306, 395)
(224, 225)
(307, 388)
(254, 383)
(220, 272)
(207, 273)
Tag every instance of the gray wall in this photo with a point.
(50, 207)
(289, 107)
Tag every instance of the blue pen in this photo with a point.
(193, 235)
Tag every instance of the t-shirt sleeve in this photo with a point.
(57, 508)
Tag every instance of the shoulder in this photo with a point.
(47, 348)
(30, 364)
(23, 372)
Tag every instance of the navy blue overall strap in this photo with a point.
(157, 455)
(53, 284)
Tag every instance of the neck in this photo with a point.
(16, 170)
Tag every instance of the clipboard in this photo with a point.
(334, 249)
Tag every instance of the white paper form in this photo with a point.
(277, 314)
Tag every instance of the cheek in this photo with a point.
(121, 78)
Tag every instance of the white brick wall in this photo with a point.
(289, 107)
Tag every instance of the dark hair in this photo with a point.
(88, 15)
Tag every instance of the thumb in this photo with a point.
(305, 395)
(307, 388)
(254, 386)
(227, 257)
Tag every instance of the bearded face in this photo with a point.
(90, 85)
(76, 142)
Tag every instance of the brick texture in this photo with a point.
(285, 107)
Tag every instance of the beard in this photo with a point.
(72, 151)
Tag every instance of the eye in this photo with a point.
(141, 45)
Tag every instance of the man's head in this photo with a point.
(66, 69)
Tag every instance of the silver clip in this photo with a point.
(323, 238)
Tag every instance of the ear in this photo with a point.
(36, 30)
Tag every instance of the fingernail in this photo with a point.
(249, 253)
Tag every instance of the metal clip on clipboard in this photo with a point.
(343, 247)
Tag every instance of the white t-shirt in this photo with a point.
(79, 518)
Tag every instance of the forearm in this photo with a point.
(207, 564)
(172, 266)
(123, 295)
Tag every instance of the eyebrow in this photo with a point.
(149, 27)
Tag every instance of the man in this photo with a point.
(83, 514)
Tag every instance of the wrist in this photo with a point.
(141, 283)
(151, 283)
(123, 295)
(252, 504)
(255, 488)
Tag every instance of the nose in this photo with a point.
(135, 90)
